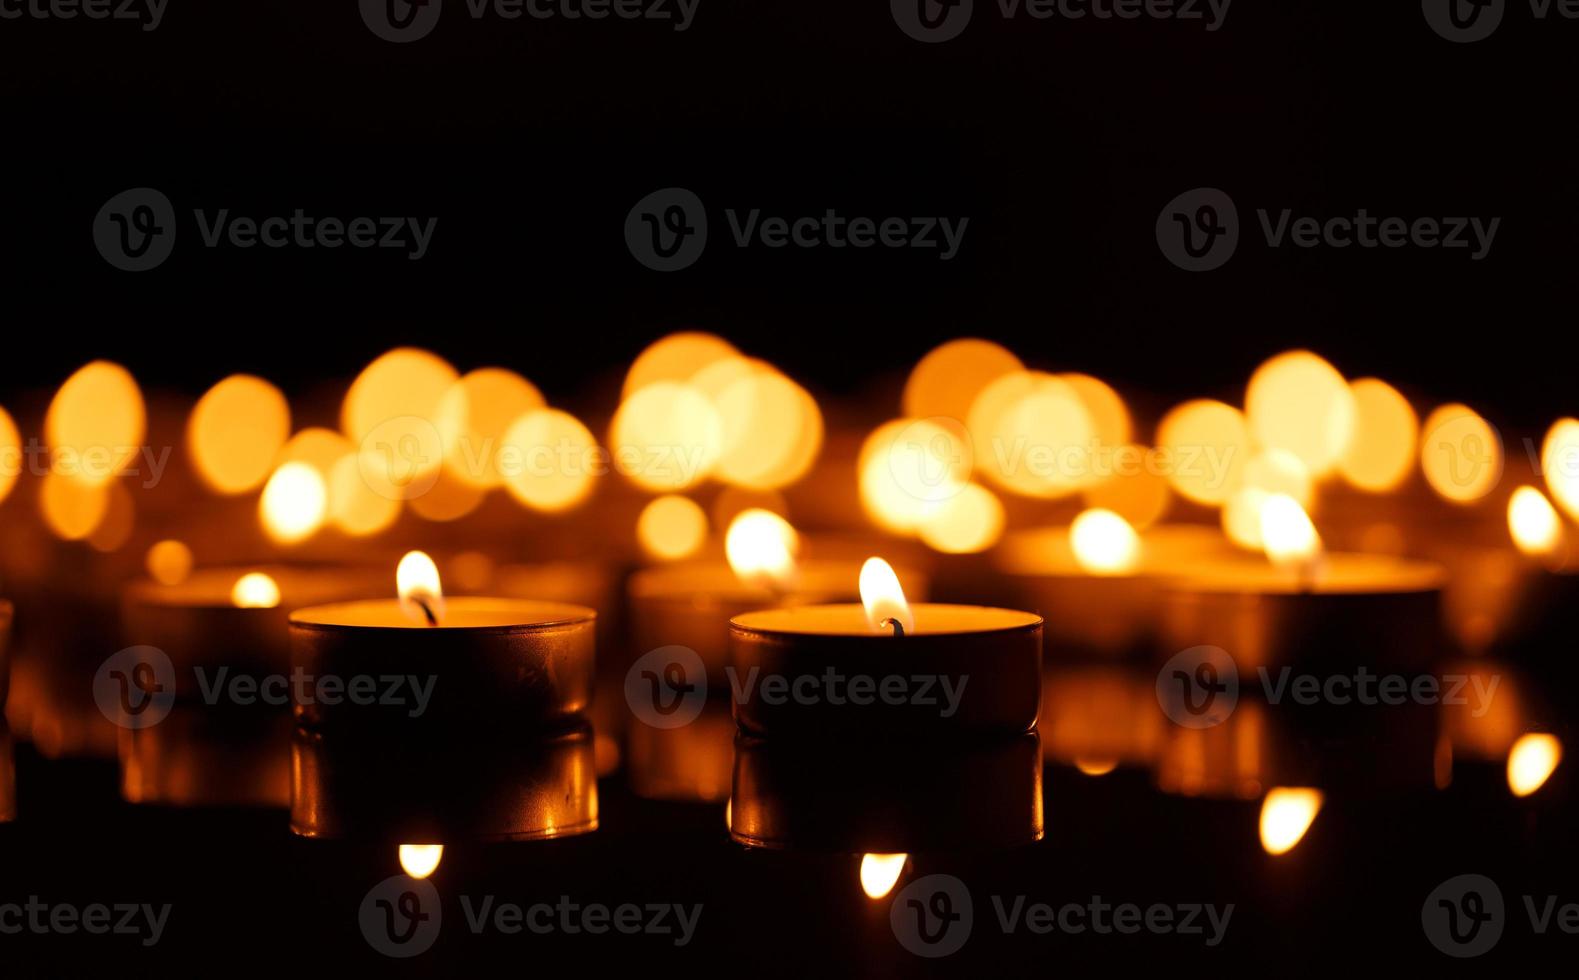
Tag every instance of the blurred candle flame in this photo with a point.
(884, 598)
(421, 596)
(255, 590)
(1286, 814)
(671, 527)
(169, 562)
(420, 860)
(1533, 522)
(295, 503)
(1287, 535)
(1096, 767)
(761, 546)
(880, 873)
(1104, 543)
(1531, 761)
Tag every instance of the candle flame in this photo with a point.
(1286, 814)
(884, 598)
(420, 860)
(421, 596)
(1533, 522)
(880, 873)
(1096, 767)
(1531, 762)
(1104, 543)
(761, 548)
(255, 590)
(1287, 535)
(295, 503)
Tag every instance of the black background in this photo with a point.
(531, 140)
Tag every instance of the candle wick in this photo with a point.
(427, 610)
(896, 625)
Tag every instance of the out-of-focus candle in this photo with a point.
(1100, 590)
(1304, 607)
(234, 616)
(690, 604)
(981, 666)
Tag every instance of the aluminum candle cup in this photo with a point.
(882, 796)
(822, 670)
(213, 620)
(1099, 617)
(491, 664)
(524, 787)
(1355, 611)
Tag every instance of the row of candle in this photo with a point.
(1112, 585)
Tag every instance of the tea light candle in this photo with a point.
(493, 663)
(233, 616)
(690, 605)
(1099, 583)
(1306, 608)
(884, 665)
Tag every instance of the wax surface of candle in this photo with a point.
(850, 620)
(461, 613)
